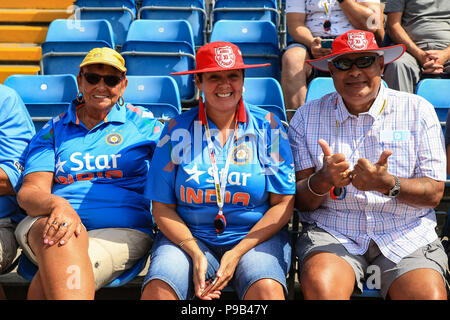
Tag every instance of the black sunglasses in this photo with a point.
(94, 78)
(345, 64)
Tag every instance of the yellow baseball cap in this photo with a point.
(104, 55)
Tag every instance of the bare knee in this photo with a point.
(265, 289)
(326, 276)
(419, 284)
(158, 290)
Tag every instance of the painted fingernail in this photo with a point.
(61, 242)
(51, 242)
(45, 240)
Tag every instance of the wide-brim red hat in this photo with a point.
(219, 56)
(355, 41)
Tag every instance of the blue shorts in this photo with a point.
(270, 259)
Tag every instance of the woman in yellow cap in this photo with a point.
(88, 220)
(222, 186)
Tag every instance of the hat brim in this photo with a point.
(215, 69)
(390, 54)
(122, 69)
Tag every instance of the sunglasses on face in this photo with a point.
(94, 78)
(345, 64)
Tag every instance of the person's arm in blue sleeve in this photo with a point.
(16, 131)
(447, 141)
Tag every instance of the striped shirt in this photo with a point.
(404, 123)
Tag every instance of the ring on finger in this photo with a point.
(55, 223)
(64, 224)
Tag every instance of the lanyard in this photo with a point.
(337, 193)
(365, 136)
(219, 185)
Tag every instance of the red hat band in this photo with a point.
(219, 56)
(355, 41)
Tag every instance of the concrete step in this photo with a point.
(33, 15)
(20, 52)
(23, 34)
(7, 70)
(35, 4)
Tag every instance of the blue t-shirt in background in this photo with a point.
(16, 131)
(181, 173)
(102, 171)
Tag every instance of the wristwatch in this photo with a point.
(394, 192)
(340, 1)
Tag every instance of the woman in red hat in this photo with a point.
(224, 192)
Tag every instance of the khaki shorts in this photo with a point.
(8, 244)
(431, 256)
(111, 250)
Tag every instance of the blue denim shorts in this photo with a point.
(270, 259)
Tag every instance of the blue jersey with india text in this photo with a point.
(261, 163)
(102, 171)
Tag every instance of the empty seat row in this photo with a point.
(47, 96)
(121, 13)
(158, 47)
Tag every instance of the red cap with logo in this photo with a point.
(219, 56)
(355, 41)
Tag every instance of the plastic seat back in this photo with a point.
(192, 11)
(159, 94)
(265, 93)
(68, 42)
(436, 91)
(159, 47)
(246, 10)
(257, 40)
(45, 96)
(120, 13)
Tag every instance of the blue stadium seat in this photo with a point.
(68, 41)
(245, 10)
(159, 94)
(120, 13)
(27, 269)
(436, 91)
(45, 96)
(159, 47)
(320, 86)
(265, 93)
(193, 11)
(257, 40)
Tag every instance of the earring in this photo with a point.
(121, 101)
(79, 97)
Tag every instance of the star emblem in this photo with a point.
(59, 166)
(194, 174)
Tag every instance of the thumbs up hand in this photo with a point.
(335, 169)
(373, 177)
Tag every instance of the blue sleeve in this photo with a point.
(41, 152)
(16, 131)
(160, 184)
(279, 167)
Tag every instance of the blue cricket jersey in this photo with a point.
(102, 171)
(261, 163)
(16, 131)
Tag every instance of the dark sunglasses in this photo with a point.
(345, 64)
(94, 78)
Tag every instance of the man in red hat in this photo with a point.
(370, 168)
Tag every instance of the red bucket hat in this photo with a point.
(354, 41)
(219, 56)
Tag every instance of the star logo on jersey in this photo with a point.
(194, 174)
(59, 166)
